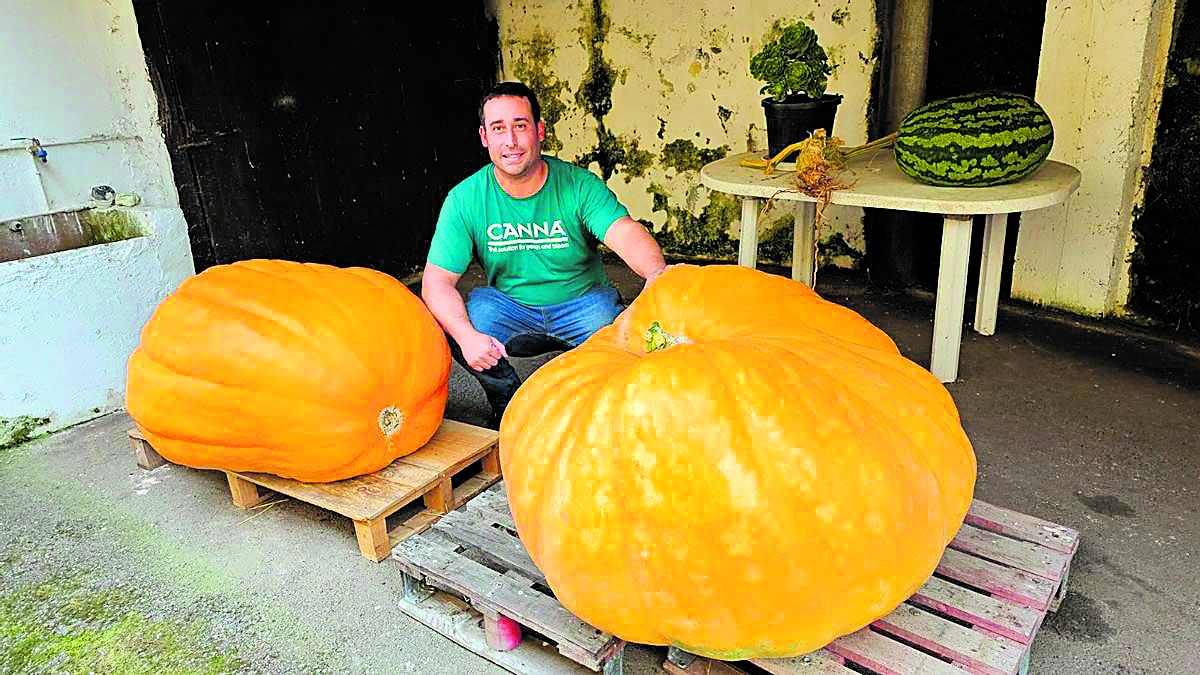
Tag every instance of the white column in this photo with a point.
(1100, 79)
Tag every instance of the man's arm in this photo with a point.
(629, 240)
(438, 290)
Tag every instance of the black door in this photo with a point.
(319, 132)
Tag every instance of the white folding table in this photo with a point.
(878, 183)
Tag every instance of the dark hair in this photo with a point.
(512, 89)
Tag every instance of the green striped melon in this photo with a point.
(972, 140)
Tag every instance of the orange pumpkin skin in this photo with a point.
(306, 371)
(784, 479)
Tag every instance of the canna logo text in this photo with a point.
(505, 237)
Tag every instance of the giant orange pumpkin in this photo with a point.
(306, 371)
(736, 467)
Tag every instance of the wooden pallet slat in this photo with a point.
(456, 620)
(474, 554)
(1023, 555)
(982, 652)
(368, 500)
(500, 547)
(888, 657)
(1006, 582)
(820, 662)
(1021, 526)
(996, 614)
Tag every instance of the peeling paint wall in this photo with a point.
(72, 73)
(1101, 80)
(645, 93)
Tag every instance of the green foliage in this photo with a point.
(70, 625)
(792, 63)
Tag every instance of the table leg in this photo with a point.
(951, 297)
(988, 296)
(803, 250)
(748, 245)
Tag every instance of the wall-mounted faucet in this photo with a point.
(35, 148)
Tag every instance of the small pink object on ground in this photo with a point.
(502, 632)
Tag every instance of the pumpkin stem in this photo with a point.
(657, 338)
(390, 420)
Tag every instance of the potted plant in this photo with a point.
(796, 71)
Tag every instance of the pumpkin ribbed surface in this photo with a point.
(773, 475)
(306, 371)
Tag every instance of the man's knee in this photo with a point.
(486, 308)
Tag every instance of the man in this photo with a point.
(534, 223)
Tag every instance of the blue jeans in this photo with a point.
(527, 330)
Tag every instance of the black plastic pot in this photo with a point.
(794, 120)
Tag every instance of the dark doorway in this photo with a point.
(318, 132)
(974, 46)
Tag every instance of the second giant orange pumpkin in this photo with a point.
(306, 371)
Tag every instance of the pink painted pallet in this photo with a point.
(980, 612)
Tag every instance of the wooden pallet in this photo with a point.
(473, 554)
(1002, 573)
(368, 500)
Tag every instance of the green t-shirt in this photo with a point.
(539, 250)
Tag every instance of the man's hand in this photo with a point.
(650, 278)
(481, 351)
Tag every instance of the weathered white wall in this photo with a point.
(1100, 79)
(682, 74)
(73, 74)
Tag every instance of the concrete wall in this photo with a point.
(1100, 79)
(73, 74)
(677, 74)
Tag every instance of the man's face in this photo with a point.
(512, 137)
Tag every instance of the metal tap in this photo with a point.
(35, 148)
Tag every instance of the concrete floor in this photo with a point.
(1087, 424)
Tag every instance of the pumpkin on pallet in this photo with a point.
(305, 371)
(735, 467)
(974, 140)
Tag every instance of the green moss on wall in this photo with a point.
(775, 246)
(836, 246)
(612, 151)
(683, 155)
(1165, 264)
(595, 90)
(66, 625)
(533, 57)
(775, 242)
(104, 226)
(703, 236)
(594, 95)
(16, 430)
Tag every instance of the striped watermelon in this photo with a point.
(972, 140)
